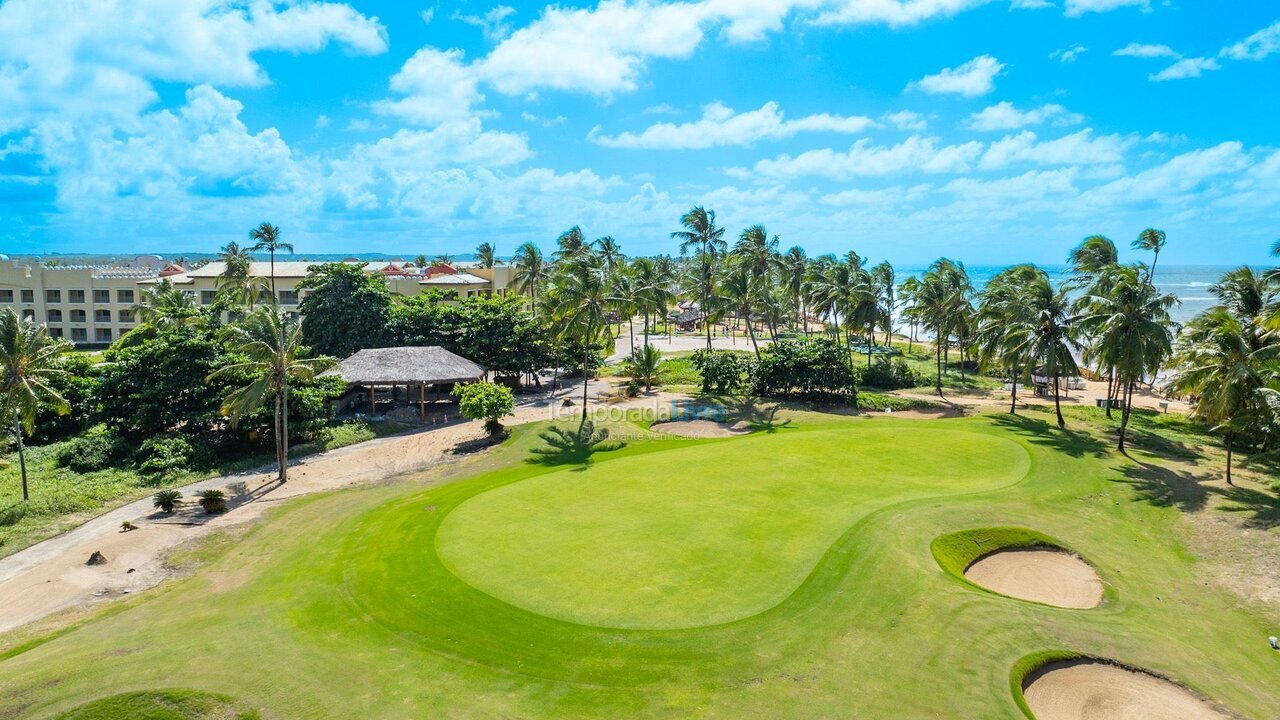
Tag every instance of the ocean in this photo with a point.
(1190, 283)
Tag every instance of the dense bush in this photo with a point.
(91, 452)
(722, 371)
(485, 401)
(814, 368)
(172, 453)
(346, 309)
(889, 374)
(77, 384)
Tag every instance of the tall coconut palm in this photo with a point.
(582, 299)
(907, 292)
(1093, 255)
(757, 257)
(1131, 332)
(1092, 261)
(653, 290)
(1153, 240)
(236, 282)
(883, 277)
(485, 255)
(529, 272)
(792, 267)
(272, 343)
(701, 235)
(572, 244)
(29, 361)
(1049, 334)
(266, 238)
(1004, 324)
(610, 252)
(736, 289)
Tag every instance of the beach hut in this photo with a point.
(426, 373)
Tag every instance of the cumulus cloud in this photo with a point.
(915, 154)
(493, 24)
(721, 126)
(906, 120)
(1004, 116)
(1076, 8)
(1142, 50)
(1260, 45)
(436, 86)
(1186, 68)
(1080, 148)
(1068, 54)
(972, 79)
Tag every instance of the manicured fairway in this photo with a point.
(706, 534)
(783, 575)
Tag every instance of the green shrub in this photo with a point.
(167, 500)
(889, 374)
(814, 368)
(91, 452)
(169, 454)
(722, 371)
(485, 401)
(213, 501)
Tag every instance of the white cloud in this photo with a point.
(1142, 50)
(1257, 46)
(906, 120)
(546, 122)
(1030, 4)
(721, 126)
(1076, 8)
(1068, 54)
(493, 24)
(915, 154)
(1173, 181)
(882, 197)
(1186, 68)
(1004, 116)
(436, 85)
(1031, 185)
(972, 79)
(1080, 148)
(663, 109)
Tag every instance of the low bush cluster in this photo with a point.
(723, 371)
(887, 374)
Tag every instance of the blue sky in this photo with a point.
(991, 131)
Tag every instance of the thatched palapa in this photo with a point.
(406, 366)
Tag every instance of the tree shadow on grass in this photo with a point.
(1039, 432)
(1166, 487)
(1261, 510)
(572, 446)
(756, 415)
(13, 514)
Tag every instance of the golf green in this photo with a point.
(707, 534)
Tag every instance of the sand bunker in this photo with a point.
(1045, 575)
(1092, 690)
(700, 428)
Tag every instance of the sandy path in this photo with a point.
(1051, 577)
(1088, 690)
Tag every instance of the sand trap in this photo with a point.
(1045, 575)
(1092, 690)
(700, 428)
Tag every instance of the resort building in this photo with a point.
(93, 304)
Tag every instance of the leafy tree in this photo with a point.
(722, 371)
(77, 384)
(271, 344)
(485, 401)
(814, 368)
(496, 332)
(29, 361)
(346, 309)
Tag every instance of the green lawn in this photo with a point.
(779, 575)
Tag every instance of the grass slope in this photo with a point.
(340, 606)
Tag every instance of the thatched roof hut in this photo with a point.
(430, 365)
(406, 366)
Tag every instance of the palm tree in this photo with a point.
(702, 235)
(1131, 332)
(1153, 240)
(624, 295)
(883, 277)
(581, 297)
(653, 291)
(1049, 335)
(645, 365)
(572, 245)
(272, 344)
(792, 268)
(529, 272)
(267, 237)
(1004, 324)
(737, 290)
(757, 257)
(485, 256)
(908, 291)
(610, 252)
(1093, 255)
(443, 259)
(29, 360)
(237, 282)
(1092, 260)
(163, 305)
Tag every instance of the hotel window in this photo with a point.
(55, 332)
(78, 316)
(101, 296)
(126, 316)
(79, 335)
(75, 296)
(288, 297)
(103, 335)
(124, 296)
(53, 296)
(54, 316)
(207, 296)
(102, 316)
(28, 296)
(6, 296)
(29, 315)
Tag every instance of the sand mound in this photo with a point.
(1045, 575)
(700, 428)
(1091, 690)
